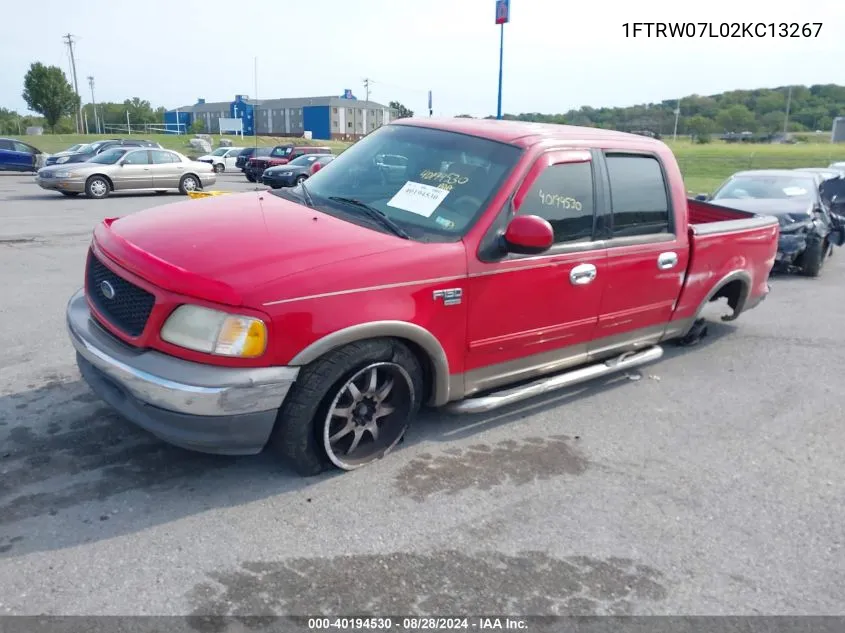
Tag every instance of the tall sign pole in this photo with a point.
(503, 16)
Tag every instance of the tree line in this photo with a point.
(760, 111)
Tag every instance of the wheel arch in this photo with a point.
(104, 177)
(423, 343)
(736, 287)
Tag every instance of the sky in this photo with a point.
(558, 54)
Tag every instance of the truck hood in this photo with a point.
(766, 206)
(222, 247)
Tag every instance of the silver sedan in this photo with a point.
(128, 169)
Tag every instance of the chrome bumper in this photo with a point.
(172, 384)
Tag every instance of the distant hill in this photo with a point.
(760, 111)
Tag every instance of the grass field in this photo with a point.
(704, 166)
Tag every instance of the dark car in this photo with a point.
(295, 171)
(248, 153)
(802, 201)
(280, 155)
(87, 152)
(18, 156)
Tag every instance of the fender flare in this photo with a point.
(394, 329)
(735, 275)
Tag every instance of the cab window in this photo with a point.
(563, 195)
(638, 195)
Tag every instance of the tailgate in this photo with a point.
(726, 245)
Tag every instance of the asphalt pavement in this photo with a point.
(713, 484)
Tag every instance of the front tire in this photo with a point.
(350, 407)
(250, 177)
(812, 258)
(97, 187)
(218, 168)
(301, 179)
(188, 183)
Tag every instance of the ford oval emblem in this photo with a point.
(107, 289)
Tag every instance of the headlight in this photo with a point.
(214, 332)
(286, 173)
(62, 159)
(64, 174)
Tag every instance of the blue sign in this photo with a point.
(503, 11)
(347, 94)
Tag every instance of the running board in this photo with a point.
(503, 398)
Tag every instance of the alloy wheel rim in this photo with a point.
(98, 187)
(368, 415)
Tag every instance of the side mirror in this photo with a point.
(702, 197)
(528, 235)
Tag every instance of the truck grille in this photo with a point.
(129, 306)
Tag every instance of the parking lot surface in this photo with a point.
(712, 485)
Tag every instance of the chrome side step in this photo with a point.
(499, 399)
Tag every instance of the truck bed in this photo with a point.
(726, 244)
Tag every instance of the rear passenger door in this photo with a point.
(166, 169)
(646, 258)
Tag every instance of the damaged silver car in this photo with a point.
(808, 205)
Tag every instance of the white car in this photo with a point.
(222, 158)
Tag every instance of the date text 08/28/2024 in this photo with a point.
(723, 29)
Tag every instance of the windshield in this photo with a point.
(281, 151)
(73, 148)
(435, 188)
(84, 149)
(220, 151)
(109, 157)
(768, 188)
(95, 146)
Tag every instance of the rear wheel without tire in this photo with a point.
(97, 187)
(188, 183)
(350, 407)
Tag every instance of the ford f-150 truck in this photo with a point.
(279, 155)
(504, 260)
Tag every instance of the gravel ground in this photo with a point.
(713, 485)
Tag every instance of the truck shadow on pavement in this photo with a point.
(72, 471)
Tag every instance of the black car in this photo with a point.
(248, 153)
(294, 172)
(807, 205)
(86, 152)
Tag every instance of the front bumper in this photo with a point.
(273, 180)
(200, 407)
(790, 246)
(61, 184)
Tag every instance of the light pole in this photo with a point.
(503, 16)
(94, 104)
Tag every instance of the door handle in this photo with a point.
(665, 261)
(582, 274)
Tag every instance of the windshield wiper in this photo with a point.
(307, 195)
(374, 213)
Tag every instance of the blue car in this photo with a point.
(18, 156)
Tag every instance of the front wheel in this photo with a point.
(250, 177)
(301, 179)
(188, 183)
(97, 187)
(812, 258)
(350, 407)
(218, 167)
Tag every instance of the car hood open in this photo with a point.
(223, 247)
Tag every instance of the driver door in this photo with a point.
(531, 315)
(135, 171)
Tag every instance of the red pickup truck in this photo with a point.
(279, 155)
(502, 260)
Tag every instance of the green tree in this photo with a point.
(700, 127)
(773, 121)
(402, 111)
(46, 90)
(736, 118)
(198, 126)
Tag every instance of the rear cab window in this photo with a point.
(639, 196)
